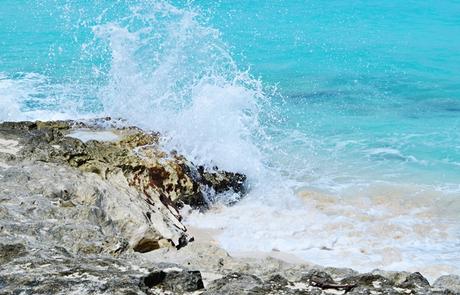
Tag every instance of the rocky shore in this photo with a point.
(94, 207)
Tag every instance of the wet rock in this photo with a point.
(223, 181)
(167, 176)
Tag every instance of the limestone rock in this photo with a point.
(127, 186)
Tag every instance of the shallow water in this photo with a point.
(345, 116)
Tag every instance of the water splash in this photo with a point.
(170, 73)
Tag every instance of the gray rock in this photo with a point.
(9, 252)
(449, 282)
(415, 281)
(236, 283)
(175, 279)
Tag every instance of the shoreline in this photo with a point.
(208, 236)
(101, 214)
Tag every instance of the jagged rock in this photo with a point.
(236, 283)
(138, 188)
(62, 273)
(323, 280)
(223, 181)
(415, 281)
(367, 279)
(173, 278)
(169, 177)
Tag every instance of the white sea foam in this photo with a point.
(388, 226)
(9, 95)
(19, 95)
(184, 84)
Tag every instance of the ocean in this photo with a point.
(345, 115)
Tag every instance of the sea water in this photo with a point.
(345, 115)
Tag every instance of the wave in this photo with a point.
(157, 65)
(171, 73)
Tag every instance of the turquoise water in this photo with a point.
(374, 82)
(368, 84)
(347, 98)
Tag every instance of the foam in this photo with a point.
(382, 225)
(212, 116)
(9, 107)
(51, 101)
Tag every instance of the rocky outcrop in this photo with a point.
(129, 186)
(84, 204)
(320, 282)
(223, 274)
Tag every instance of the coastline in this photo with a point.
(101, 214)
(208, 236)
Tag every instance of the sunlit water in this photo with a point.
(344, 115)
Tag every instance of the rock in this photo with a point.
(449, 282)
(142, 186)
(278, 284)
(323, 280)
(9, 252)
(168, 177)
(174, 278)
(396, 277)
(368, 279)
(236, 283)
(69, 275)
(415, 281)
(223, 181)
